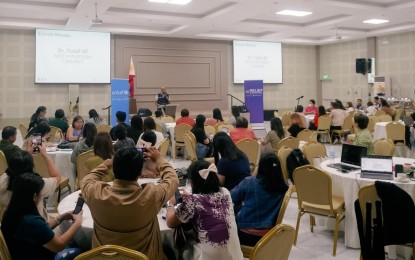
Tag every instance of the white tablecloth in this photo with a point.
(84, 235)
(308, 119)
(62, 160)
(348, 185)
(380, 130)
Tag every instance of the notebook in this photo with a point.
(377, 167)
(350, 158)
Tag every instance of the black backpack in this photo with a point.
(295, 159)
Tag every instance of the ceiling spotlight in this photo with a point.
(293, 13)
(376, 21)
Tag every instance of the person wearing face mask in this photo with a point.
(311, 108)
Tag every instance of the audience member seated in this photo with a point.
(121, 117)
(86, 143)
(203, 143)
(60, 121)
(314, 124)
(159, 115)
(150, 126)
(371, 109)
(43, 129)
(376, 102)
(299, 110)
(22, 162)
(125, 213)
(385, 107)
(103, 150)
(241, 131)
(38, 117)
(122, 139)
(311, 108)
(150, 169)
(216, 118)
(235, 115)
(337, 117)
(209, 210)
(363, 135)
(7, 146)
(185, 119)
(259, 199)
(27, 234)
(297, 125)
(339, 104)
(276, 134)
(232, 163)
(95, 118)
(75, 131)
(359, 105)
(349, 107)
(136, 127)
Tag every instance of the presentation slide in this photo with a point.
(72, 57)
(257, 61)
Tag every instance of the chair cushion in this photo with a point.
(338, 207)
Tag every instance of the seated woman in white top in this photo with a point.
(95, 118)
(337, 117)
(371, 109)
(150, 125)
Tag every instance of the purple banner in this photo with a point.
(254, 100)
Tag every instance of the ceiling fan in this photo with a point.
(96, 19)
(336, 35)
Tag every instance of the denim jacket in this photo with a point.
(258, 208)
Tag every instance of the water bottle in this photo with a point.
(332, 154)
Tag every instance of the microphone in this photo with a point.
(300, 97)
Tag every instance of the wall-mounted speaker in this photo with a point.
(361, 66)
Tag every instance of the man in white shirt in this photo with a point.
(371, 109)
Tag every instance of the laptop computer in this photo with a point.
(377, 167)
(350, 158)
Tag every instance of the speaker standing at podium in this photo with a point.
(162, 99)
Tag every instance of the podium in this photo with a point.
(171, 110)
(133, 106)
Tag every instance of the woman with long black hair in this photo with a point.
(203, 143)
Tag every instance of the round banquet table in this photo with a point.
(83, 237)
(347, 185)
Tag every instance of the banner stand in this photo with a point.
(120, 99)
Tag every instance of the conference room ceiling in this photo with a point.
(218, 19)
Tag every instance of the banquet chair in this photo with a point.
(286, 122)
(190, 143)
(104, 128)
(3, 163)
(304, 121)
(164, 146)
(397, 115)
(385, 118)
(55, 134)
(313, 150)
(167, 119)
(179, 131)
(347, 127)
(248, 250)
(324, 123)
(369, 194)
(81, 169)
(4, 251)
(252, 149)
(396, 132)
(159, 128)
(384, 147)
(210, 130)
(289, 141)
(307, 135)
(276, 114)
(276, 244)
(372, 122)
(282, 154)
(111, 252)
(314, 194)
(23, 130)
(42, 169)
(380, 112)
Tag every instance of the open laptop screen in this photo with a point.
(351, 154)
(378, 164)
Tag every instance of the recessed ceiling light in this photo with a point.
(175, 2)
(293, 13)
(376, 21)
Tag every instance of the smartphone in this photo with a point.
(178, 197)
(36, 141)
(79, 205)
(398, 169)
(142, 150)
